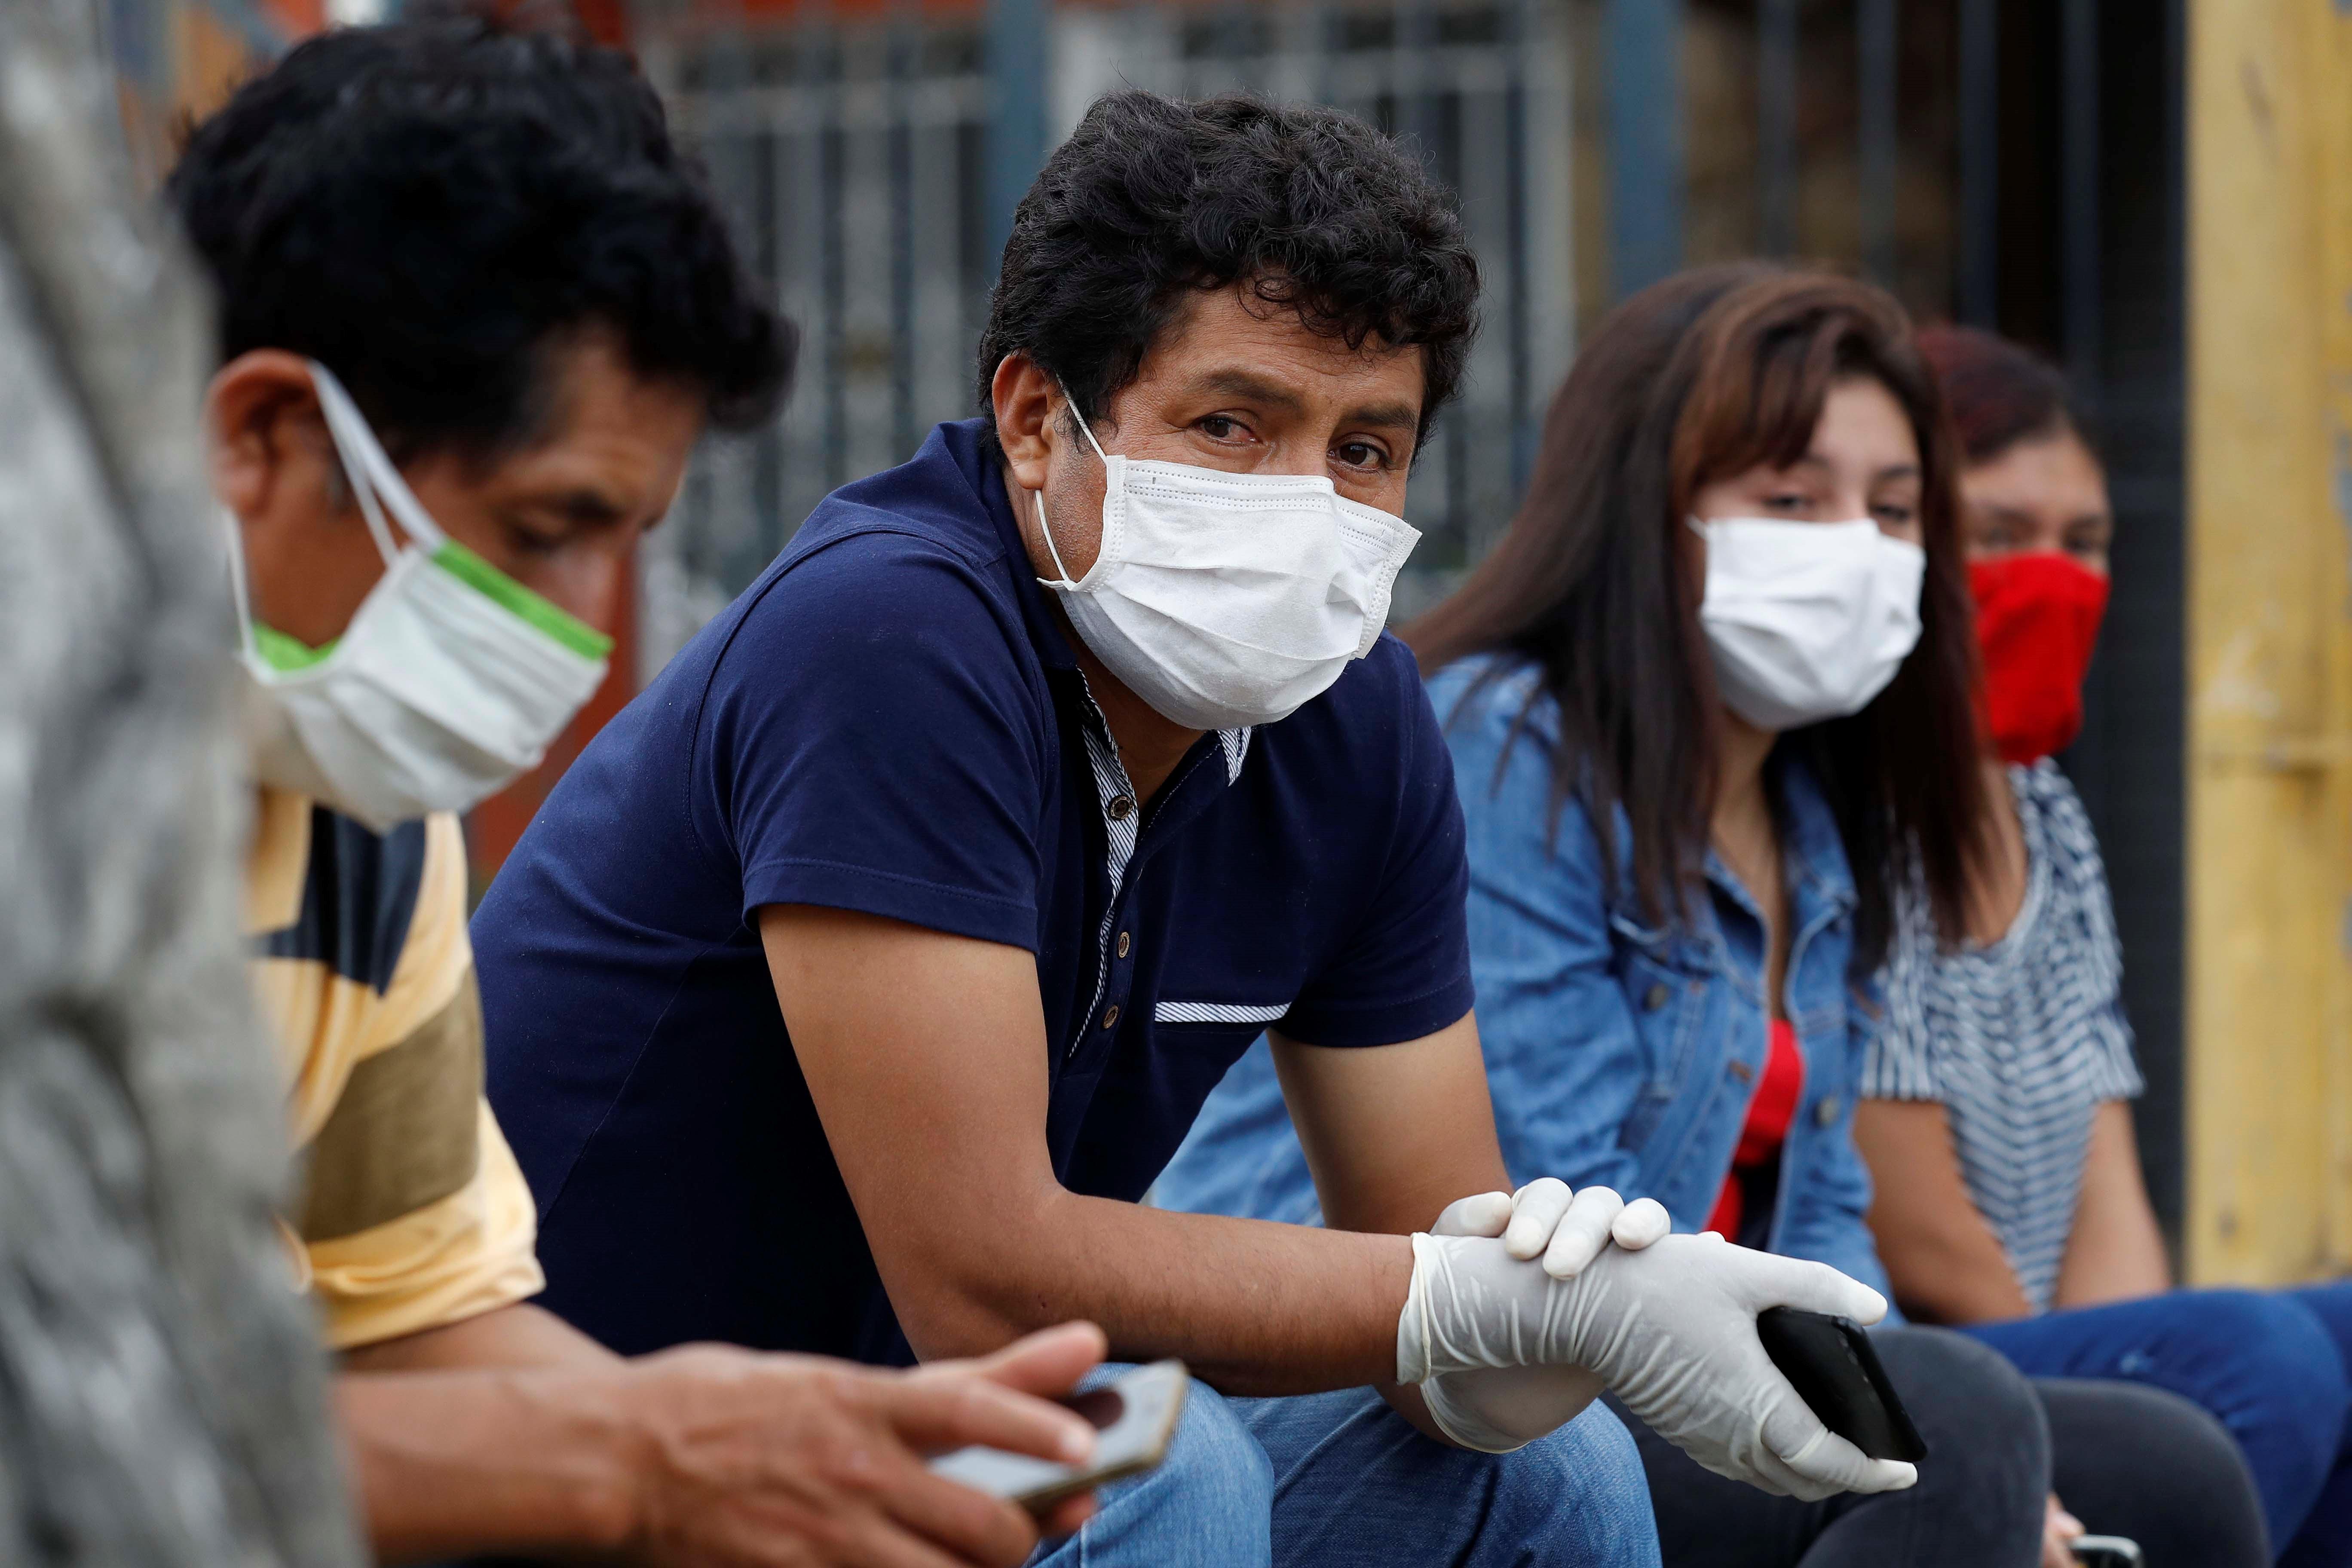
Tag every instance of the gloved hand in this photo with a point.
(1497, 1409)
(1672, 1329)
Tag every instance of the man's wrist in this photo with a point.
(452, 1463)
(601, 1422)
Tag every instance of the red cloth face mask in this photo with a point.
(2037, 617)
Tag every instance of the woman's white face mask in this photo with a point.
(450, 681)
(1807, 621)
(1228, 600)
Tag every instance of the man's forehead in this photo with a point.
(1231, 342)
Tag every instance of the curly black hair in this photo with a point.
(1312, 209)
(428, 207)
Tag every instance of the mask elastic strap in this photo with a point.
(1065, 581)
(1083, 428)
(236, 588)
(374, 480)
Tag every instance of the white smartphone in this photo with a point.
(2105, 1552)
(1134, 1417)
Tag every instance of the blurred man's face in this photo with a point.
(559, 514)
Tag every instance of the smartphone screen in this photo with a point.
(1134, 1417)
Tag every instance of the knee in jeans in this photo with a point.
(1576, 1496)
(2281, 1359)
(1214, 1463)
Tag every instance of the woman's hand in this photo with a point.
(2059, 1529)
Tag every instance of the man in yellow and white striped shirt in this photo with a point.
(476, 310)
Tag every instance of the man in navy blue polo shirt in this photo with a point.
(860, 978)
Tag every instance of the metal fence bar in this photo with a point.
(2080, 240)
(1017, 69)
(1876, 65)
(1979, 237)
(1776, 123)
(1642, 39)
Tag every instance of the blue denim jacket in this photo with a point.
(1619, 1051)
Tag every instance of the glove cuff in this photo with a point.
(1413, 1323)
(1462, 1424)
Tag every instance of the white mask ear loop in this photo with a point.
(373, 478)
(1065, 581)
(236, 588)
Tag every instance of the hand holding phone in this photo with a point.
(1135, 1418)
(1836, 1370)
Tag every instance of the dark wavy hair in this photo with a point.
(1152, 199)
(1596, 585)
(430, 206)
(2000, 393)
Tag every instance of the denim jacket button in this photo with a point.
(1826, 1113)
(1743, 1072)
(1657, 997)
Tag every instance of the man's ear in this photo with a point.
(271, 455)
(1024, 398)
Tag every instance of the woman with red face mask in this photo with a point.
(1998, 1125)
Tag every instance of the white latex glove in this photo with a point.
(1497, 1409)
(1672, 1328)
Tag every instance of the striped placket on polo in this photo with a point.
(1122, 819)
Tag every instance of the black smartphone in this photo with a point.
(2106, 1551)
(1830, 1363)
(1136, 1415)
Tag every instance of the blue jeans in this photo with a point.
(1339, 1480)
(2270, 1367)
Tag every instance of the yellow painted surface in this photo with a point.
(2270, 634)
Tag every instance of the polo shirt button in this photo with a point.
(1110, 1016)
(1657, 997)
(1120, 808)
(1826, 1113)
(1124, 943)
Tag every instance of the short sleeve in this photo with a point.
(413, 1215)
(871, 741)
(1898, 1058)
(1404, 972)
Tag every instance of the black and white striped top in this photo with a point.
(2021, 1040)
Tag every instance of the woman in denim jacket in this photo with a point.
(1676, 1008)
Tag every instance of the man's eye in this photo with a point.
(1218, 427)
(1890, 511)
(533, 542)
(1786, 501)
(1360, 455)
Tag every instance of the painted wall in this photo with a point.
(2270, 622)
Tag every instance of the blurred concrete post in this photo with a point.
(160, 1378)
(1643, 59)
(1017, 71)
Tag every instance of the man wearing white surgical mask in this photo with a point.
(476, 312)
(895, 934)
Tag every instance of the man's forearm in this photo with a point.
(521, 1335)
(496, 1460)
(1253, 1308)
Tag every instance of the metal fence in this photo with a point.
(852, 151)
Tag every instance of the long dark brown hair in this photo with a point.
(1596, 585)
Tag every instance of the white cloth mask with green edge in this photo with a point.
(451, 679)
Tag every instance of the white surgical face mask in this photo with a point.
(1807, 621)
(1226, 600)
(451, 680)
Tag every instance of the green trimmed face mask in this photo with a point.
(450, 681)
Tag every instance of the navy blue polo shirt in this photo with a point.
(891, 721)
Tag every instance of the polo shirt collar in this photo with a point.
(967, 442)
